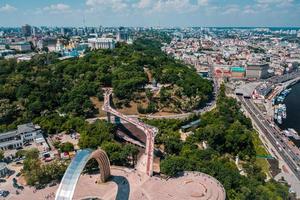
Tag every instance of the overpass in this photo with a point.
(67, 186)
(149, 131)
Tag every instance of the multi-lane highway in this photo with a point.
(273, 136)
(150, 131)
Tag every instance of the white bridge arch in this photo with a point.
(68, 184)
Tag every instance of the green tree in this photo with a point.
(131, 152)
(74, 123)
(32, 166)
(172, 165)
(1, 155)
(21, 153)
(66, 147)
(95, 134)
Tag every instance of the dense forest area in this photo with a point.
(228, 134)
(45, 85)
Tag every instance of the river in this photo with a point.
(292, 102)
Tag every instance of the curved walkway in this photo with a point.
(150, 131)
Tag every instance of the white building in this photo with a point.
(59, 46)
(2, 46)
(16, 138)
(40, 44)
(101, 43)
(21, 46)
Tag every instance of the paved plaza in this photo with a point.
(131, 184)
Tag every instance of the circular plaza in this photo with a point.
(133, 185)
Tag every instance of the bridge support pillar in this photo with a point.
(108, 117)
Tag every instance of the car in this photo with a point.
(20, 187)
(15, 185)
(4, 193)
(52, 184)
(2, 180)
(40, 186)
(10, 172)
(18, 174)
(19, 163)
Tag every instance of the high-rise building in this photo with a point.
(34, 31)
(26, 30)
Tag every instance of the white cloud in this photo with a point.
(150, 6)
(181, 6)
(7, 8)
(278, 3)
(115, 5)
(231, 9)
(203, 2)
(249, 10)
(143, 4)
(58, 8)
(274, 1)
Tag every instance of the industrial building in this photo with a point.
(257, 71)
(237, 72)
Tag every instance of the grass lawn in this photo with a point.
(261, 150)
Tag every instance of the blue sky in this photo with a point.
(150, 12)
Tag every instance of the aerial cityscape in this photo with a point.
(150, 100)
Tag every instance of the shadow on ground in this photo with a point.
(128, 132)
(123, 187)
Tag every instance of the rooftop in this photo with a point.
(237, 69)
(26, 128)
(8, 134)
(23, 128)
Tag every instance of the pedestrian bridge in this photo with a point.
(68, 184)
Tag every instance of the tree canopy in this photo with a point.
(228, 134)
(45, 85)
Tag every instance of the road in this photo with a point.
(273, 136)
(150, 131)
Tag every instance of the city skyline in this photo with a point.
(262, 13)
(150, 99)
